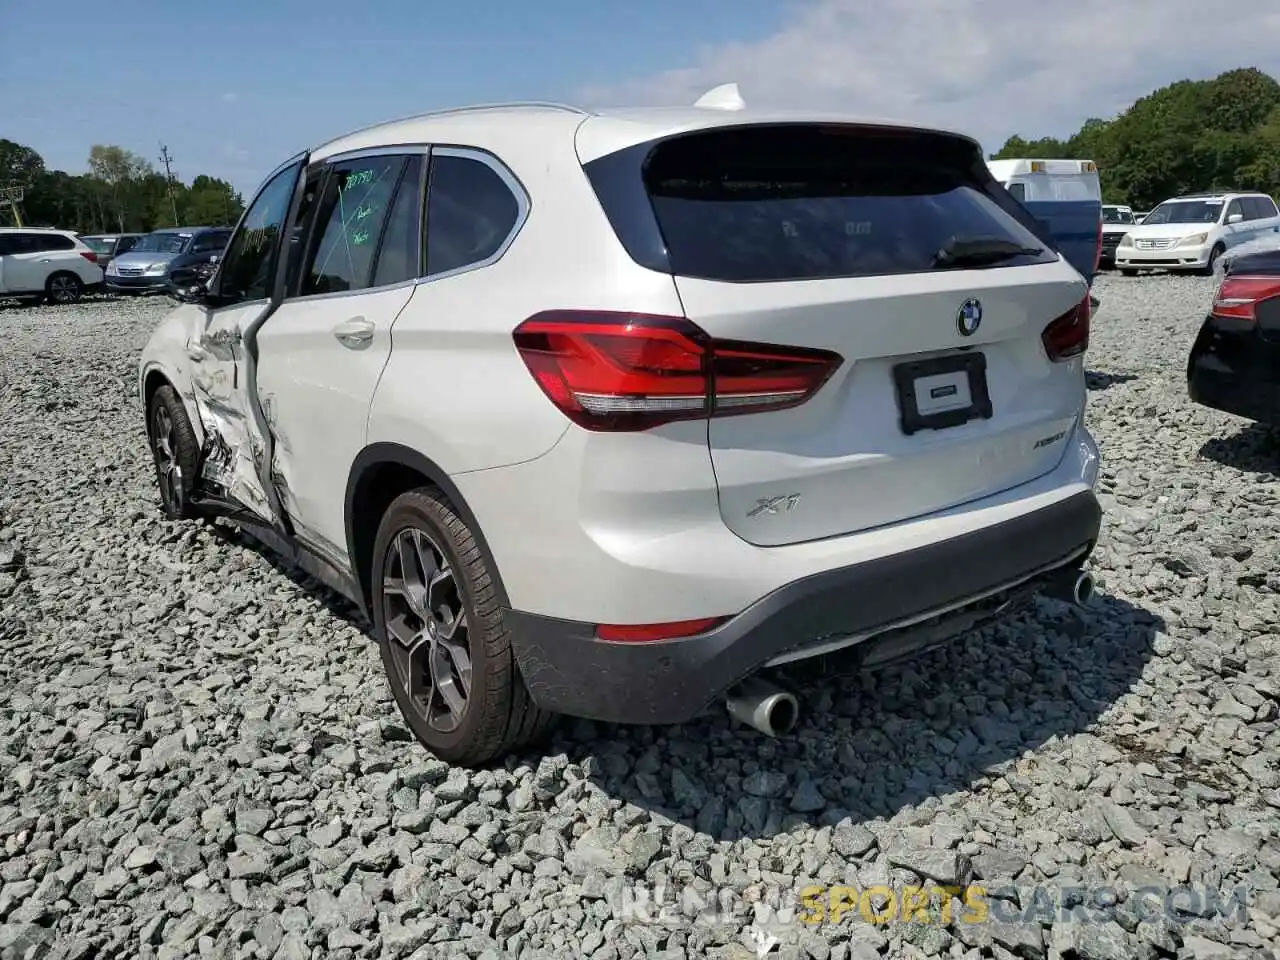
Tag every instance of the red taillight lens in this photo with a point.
(1238, 297)
(630, 371)
(651, 632)
(89, 255)
(1068, 336)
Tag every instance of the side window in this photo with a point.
(1233, 208)
(398, 255)
(1268, 208)
(56, 241)
(471, 213)
(248, 267)
(24, 243)
(7, 245)
(349, 223)
(1018, 191)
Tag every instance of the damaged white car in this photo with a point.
(608, 415)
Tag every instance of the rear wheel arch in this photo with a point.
(380, 473)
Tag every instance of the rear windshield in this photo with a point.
(806, 202)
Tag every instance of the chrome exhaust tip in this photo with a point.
(1082, 591)
(1071, 587)
(772, 711)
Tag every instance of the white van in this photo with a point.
(1192, 232)
(1064, 195)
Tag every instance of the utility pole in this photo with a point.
(166, 159)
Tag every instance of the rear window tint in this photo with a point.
(804, 202)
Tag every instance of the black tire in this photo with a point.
(1129, 273)
(63, 287)
(1214, 254)
(175, 451)
(498, 716)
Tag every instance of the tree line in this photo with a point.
(1188, 137)
(122, 192)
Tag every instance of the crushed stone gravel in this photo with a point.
(199, 755)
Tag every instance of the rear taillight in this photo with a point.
(630, 371)
(1238, 297)
(1068, 336)
(89, 255)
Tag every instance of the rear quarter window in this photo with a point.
(803, 202)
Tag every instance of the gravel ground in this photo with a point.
(199, 756)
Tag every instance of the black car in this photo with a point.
(1235, 361)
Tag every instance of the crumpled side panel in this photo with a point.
(233, 448)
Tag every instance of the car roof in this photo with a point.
(58, 230)
(598, 132)
(1216, 196)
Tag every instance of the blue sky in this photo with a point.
(237, 86)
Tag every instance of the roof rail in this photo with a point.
(447, 111)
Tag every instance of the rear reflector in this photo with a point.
(1068, 335)
(89, 255)
(650, 632)
(630, 371)
(1238, 297)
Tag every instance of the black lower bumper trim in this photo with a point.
(569, 671)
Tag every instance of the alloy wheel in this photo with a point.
(62, 289)
(426, 624)
(164, 444)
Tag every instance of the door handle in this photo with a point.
(354, 332)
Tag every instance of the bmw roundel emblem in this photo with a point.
(969, 317)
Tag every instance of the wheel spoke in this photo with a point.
(440, 589)
(446, 684)
(404, 634)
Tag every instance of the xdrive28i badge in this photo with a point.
(969, 317)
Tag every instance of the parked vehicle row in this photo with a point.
(59, 266)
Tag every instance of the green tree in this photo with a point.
(121, 192)
(18, 164)
(1189, 136)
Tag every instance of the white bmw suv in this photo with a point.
(606, 414)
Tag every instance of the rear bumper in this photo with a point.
(950, 583)
(1235, 368)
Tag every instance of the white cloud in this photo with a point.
(988, 67)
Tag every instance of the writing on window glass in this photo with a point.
(358, 178)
